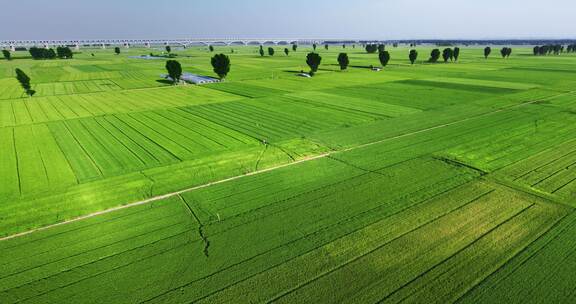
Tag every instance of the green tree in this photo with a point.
(314, 46)
(371, 48)
(413, 55)
(456, 53)
(7, 54)
(326, 46)
(286, 51)
(313, 60)
(381, 48)
(50, 54)
(261, 51)
(506, 52)
(174, 70)
(343, 61)
(294, 47)
(487, 52)
(221, 65)
(24, 82)
(447, 54)
(168, 49)
(384, 58)
(42, 53)
(63, 52)
(434, 56)
(117, 50)
(211, 48)
(271, 51)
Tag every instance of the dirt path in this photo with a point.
(177, 193)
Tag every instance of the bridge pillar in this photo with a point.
(12, 48)
(77, 47)
(103, 46)
(127, 45)
(147, 44)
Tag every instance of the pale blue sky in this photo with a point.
(369, 19)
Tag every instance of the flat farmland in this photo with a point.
(425, 183)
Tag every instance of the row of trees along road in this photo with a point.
(220, 64)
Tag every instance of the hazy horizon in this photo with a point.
(336, 19)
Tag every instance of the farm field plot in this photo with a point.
(552, 172)
(425, 183)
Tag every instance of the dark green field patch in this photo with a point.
(245, 90)
(459, 86)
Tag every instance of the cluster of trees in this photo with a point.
(373, 48)
(506, 52)
(64, 52)
(571, 48)
(548, 49)
(7, 54)
(42, 53)
(447, 54)
(220, 64)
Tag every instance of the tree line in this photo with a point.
(548, 49)
(62, 52)
(373, 48)
(447, 54)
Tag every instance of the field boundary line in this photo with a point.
(300, 161)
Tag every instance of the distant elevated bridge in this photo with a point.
(103, 43)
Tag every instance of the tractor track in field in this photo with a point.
(296, 162)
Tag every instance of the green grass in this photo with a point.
(434, 183)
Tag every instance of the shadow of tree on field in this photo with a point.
(164, 81)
